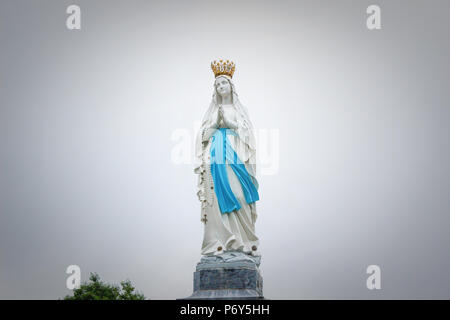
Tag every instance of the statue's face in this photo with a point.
(223, 86)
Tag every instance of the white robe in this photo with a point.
(233, 231)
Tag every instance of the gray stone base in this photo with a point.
(231, 275)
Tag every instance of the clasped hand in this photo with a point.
(227, 116)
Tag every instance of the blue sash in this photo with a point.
(222, 154)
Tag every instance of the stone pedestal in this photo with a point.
(230, 275)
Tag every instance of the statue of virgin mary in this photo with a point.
(226, 167)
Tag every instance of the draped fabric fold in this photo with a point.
(222, 154)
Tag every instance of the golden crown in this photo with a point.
(223, 68)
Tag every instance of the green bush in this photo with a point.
(99, 290)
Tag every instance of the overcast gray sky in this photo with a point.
(87, 118)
